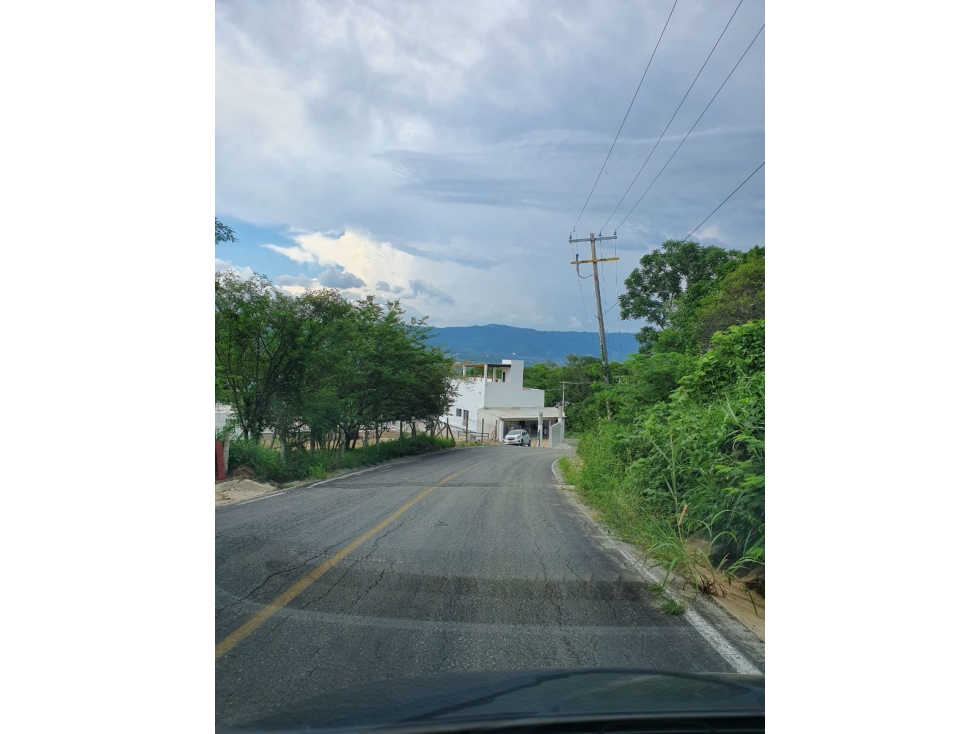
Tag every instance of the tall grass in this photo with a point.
(687, 484)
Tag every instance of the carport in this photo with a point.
(498, 421)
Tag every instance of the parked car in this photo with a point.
(517, 437)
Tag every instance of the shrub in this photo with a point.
(267, 463)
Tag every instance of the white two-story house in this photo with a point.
(492, 400)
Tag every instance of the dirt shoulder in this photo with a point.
(238, 490)
(728, 598)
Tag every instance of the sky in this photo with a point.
(440, 153)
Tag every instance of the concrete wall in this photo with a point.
(556, 432)
(514, 370)
(222, 414)
(471, 396)
(512, 395)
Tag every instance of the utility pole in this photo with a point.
(598, 294)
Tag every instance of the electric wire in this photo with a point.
(691, 128)
(624, 118)
(660, 138)
(723, 202)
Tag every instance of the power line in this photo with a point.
(692, 127)
(624, 118)
(689, 89)
(716, 208)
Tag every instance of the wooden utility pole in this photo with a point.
(598, 294)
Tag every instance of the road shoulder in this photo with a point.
(734, 631)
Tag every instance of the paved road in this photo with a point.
(492, 570)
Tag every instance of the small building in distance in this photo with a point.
(491, 400)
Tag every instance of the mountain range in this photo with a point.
(494, 342)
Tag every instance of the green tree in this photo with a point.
(668, 284)
(223, 233)
(252, 345)
(263, 345)
(738, 299)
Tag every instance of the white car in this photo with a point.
(517, 437)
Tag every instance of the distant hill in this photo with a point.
(494, 342)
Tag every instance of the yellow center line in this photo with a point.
(303, 583)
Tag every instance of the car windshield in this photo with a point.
(415, 201)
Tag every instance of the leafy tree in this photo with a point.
(223, 233)
(263, 341)
(304, 396)
(678, 274)
(738, 299)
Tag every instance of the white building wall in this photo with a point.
(514, 370)
(470, 397)
(512, 395)
(492, 425)
(476, 393)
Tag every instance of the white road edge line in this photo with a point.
(715, 639)
(256, 499)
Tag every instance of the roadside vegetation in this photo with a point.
(320, 372)
(268, 465)
(672, 454)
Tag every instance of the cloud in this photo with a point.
(451, 254)
(332, 277)
(385, 287)
(446, 144)
(429, 292)
(299, 281)
(337, 277)
(243, 272)
(297, 254)
(709, 232)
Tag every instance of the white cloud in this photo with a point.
(446, 144)
(293, 253)
(710, 232)
(221, 266)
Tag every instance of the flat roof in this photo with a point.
(521, 413)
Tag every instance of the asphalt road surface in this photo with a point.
(472, 559)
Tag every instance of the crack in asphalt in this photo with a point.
(493, 561)
(355, 563)
(269, 578)
(299, 684)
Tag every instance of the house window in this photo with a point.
(458, 412)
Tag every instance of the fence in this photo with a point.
(556, 434)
